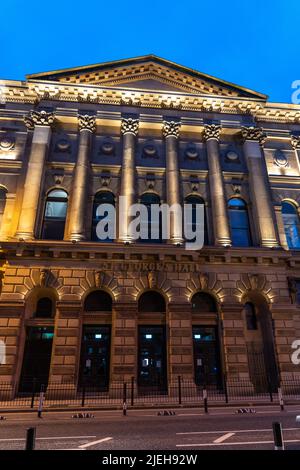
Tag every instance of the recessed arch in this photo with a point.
(103, 196)
(151, 301)
(55, 213)
(291, 223)
(203, 302)
(194, 200)
(98, 301)
(239, 222)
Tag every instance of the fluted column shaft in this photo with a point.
(129, 130)
(77, 207)
(261, 198)
(171, 134)
(41, 123)
(216, 185)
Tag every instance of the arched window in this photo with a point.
(239, 222)
(154, 224)
(2, 203)
(291, 224)
(250, 316)
(98, 301)
(44, 308)
(194, 223)
(103, 197)
(55, 215)
(151, 301)
(203, 302)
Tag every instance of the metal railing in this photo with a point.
(180, 392)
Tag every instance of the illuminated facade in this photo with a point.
(76, 310)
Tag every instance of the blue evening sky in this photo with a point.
(251, 43)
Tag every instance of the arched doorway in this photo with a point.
(259, 339)
(96, 341)
(206, 344)
(39, 333)
(152, 351)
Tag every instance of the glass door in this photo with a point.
(152, 369)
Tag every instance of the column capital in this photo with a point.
(253, 133)
(86, 122)
(129, 126)
(295, 141)
(39, 118)
(212, 131)
(171, 128)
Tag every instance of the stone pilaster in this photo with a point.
(66, 344)
(171, 134)
(129, 131)
(124, 342)
(180, 342)
(259, 187)
(41, 123)
(234, 343)
(78, 202)
(216, 185)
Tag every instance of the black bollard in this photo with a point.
(277, 433)
(30, 439)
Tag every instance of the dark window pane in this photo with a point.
(239, 223)
(151, 302)
(103, 197)
(55, 215)
(148, 199)
(250, 314)
(291, 224)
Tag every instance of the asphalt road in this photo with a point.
(188, 429)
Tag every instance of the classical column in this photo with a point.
(129, 131)
(216, 185)
(77, 208)
(41, 123)
(171, 135)
(261, 198)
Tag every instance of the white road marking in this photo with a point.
(239, 430)
(89, 444)
(234, 443)
(223, 438)
(49, 438)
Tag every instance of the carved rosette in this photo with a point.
(295, 141)
(86, 123)
(39, 118)
(212, 131)
(171, 129)
(253, 133)
(129, 126)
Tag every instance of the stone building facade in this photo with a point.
(73, 309)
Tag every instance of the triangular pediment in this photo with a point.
(147, 73)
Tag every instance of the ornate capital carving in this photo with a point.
(39, 118)
(295, 141)
(129, 126)
(253, 133)
(212, 131)
(171, 128)
(86, 122)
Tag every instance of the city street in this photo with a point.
(188, 429)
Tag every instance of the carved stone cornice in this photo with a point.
(86, 122)
(212, 131)
(253, 133)
(295, 141)
(39, 118)
(129, 126)
(171, 128)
